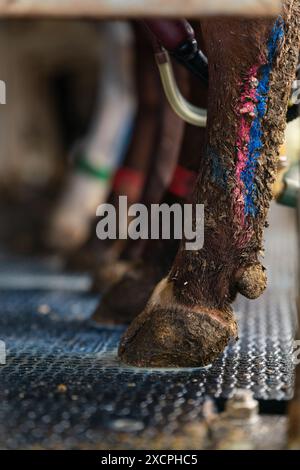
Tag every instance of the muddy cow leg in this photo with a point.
(157, 256)
(188, 320)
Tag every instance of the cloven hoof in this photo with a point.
(179, 336)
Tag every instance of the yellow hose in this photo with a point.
(188, 112)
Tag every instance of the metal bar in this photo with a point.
(136, 8)
(56, 282)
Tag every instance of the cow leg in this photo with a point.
(164, 158)
(188, 320)
(157, 256)
(97, 255)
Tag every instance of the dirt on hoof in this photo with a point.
(126, 298)
(252, 281)
(177, 336)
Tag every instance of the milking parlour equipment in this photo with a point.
(61, 385)
(177, 39)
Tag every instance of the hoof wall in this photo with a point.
(179, 337)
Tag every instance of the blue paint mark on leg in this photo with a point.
(256, 133)
(219, 174)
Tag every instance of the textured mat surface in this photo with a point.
(62, 384)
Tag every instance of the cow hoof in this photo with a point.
(168, 334)
(252, 281)
(109, 274)
(126, 298)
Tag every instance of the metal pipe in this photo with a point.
(137, 8)
(178, 38)
(187, 111)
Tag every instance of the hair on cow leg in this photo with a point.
(188, 320)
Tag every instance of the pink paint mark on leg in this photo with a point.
(246, 110)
